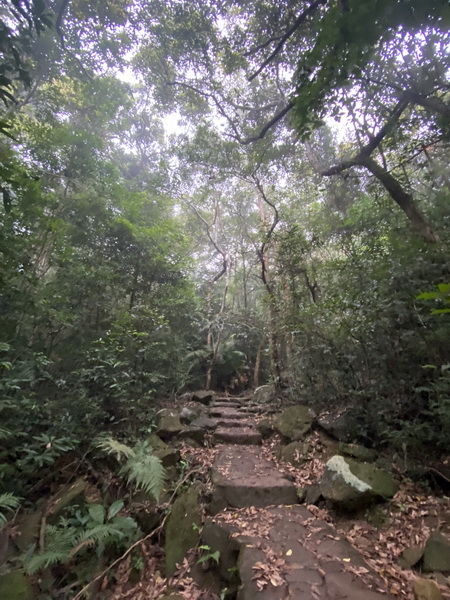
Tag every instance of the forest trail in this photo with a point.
(270, 547)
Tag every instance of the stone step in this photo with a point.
(237, 435)
(287, 552)
(227, 413)
(240, 399)
(225, 405)
(234, 423)
(242, 477)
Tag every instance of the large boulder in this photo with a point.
(436, 556)
(182, 528)
(351, 485)
(16, 586)
(295, 422)
(169, 424)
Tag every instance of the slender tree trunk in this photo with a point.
(401, 197)
(257, 369)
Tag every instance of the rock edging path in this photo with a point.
(270, 547)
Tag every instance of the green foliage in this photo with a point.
(141, 467)
(207, 555)
(115, 448)
(95, 529)
(442, 295)
(7, 502)
(144, 470)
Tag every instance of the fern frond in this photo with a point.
(146, 472)
(42, 561)
(95, 535)
(60, 541)
(112, 446)
(7, 502)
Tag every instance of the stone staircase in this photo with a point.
(272, 548)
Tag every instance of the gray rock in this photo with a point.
(197, 434)
(351, 485)
(204, 423)
(187, 415)
(312, 494)
(340, 425)
(295, 422)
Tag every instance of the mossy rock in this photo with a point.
(169, 457)
(16, 586)
(295, 422)
(182, 528)
(426, 589)
(156, 442)
(351, 485)
(436, 556)
(28, 527)
(410, 557)
(357, 452)
(169, 424)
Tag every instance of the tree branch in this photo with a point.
(373, 143)
(59, 19)
(273, 121)
(298, 21)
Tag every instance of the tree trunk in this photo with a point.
(401, 197)
(257, 369)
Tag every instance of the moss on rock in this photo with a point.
(182, 528)
(295, 422)
(16, 586)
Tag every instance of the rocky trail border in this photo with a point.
(262, 527)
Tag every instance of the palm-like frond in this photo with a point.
(7, 502)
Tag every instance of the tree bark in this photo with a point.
(401, 197)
